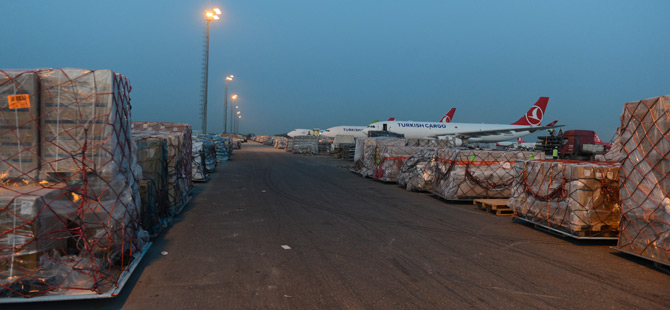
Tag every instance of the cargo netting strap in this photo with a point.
(558, 193)
(644, 137)
(486, 183)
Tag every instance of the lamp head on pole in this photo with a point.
(212, 15)
(234, 97)
(230, 77)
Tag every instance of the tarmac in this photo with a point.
(273, 230)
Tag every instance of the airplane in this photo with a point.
(357, 131)
(462, 133)
(300, 132)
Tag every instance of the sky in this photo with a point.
(318, 64)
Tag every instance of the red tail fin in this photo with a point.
(520, 140)
(447, 117)
(552, 123)
(391, 119)
(534, 116)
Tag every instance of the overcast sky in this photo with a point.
(317, 64)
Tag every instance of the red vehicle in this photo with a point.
(572, 144)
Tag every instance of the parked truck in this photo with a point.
(571, 144)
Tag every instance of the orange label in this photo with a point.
(19, 101)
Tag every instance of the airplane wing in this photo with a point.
(474, 134)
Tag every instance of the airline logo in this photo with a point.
(534, 116)
(352, 129)
(420, 125)
(445, 119)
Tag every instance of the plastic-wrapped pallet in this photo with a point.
(280, 143)
(185, 131)
(177, 183)
(290, 142)
(392, 159)
(368, 151)
(645, 182)
(306, 145)
(580, 198)
(199, 171)
(223, 148)
(72, 223)
(343, 139)
(468, 174)
(152, 156)
(418, 172)
(210, 152)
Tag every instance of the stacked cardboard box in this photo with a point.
(33, 223)
(580, 198)
(198, 162)
(152, 157)
(645, 182)
(469, 174)
(184, 131)
(418, 172)
(177, 186)
(19, 123)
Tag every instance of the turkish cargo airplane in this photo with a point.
(470, 132)
(518, 144)
(300, 132)
(357, 131)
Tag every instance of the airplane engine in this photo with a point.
(457, 141)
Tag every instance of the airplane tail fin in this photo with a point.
(519, 140)
(447, 117)
(552, 123)
(534, 116)
(391, 119)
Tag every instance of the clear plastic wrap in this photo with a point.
(418, 171)
(580, 198)
(645, 185)
(468, 174)
(392, 159)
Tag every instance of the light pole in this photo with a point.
(237, 121)
(232, 120)
(209, 16)
(225, 104)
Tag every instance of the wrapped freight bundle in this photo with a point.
(69, 215)
(367, 153)
(306, 145)
(645, 186)
(392, 159)
(436, 143)
(418, 171)
(184, 131)
(152, 156)
(468, 174)
(580, 198)
(178, 189)
(280, 143)
(198, 169)
(290, 143)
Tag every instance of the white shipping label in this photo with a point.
(26, 208)
(587, 172)
(599, 175)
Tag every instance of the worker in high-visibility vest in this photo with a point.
(555, 153)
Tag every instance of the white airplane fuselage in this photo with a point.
(418, 130)
(356, 131)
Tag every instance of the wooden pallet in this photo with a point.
(495, 206)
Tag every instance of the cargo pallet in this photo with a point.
(113, 292)
(663, 266)
(496, 206)
(583, 232)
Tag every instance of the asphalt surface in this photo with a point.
(273, 230)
